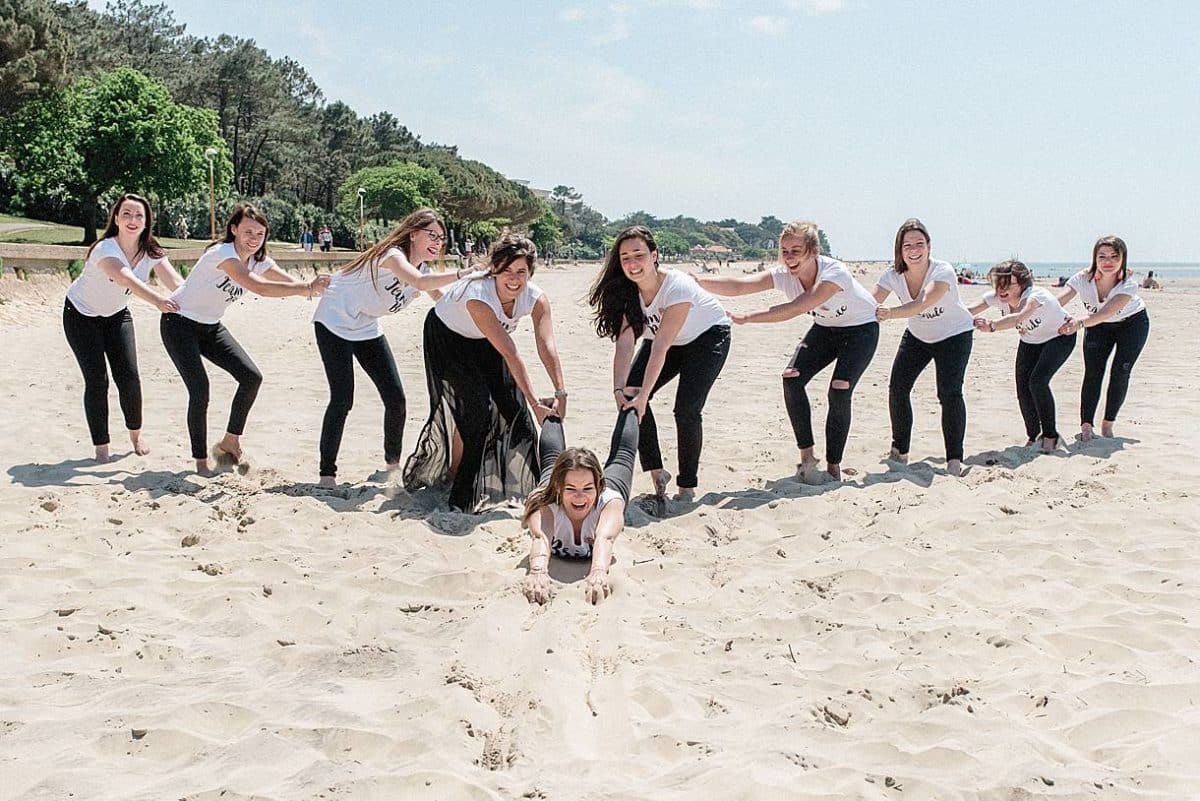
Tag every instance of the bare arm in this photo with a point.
(929, 295)
(977, 309)
(279, 285)
(793, 308)
(485, 320)
(537, 579)
(623, 358)
(124, 277)
(608, 528)
(543, 335)
(1065, 296)
(167, 275)
(403, 269)
(1110, 309)
(673, 318)
(733, 286)
(880, 294)
(1013, 320)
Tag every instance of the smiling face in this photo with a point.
(1109, 262)
(794, 252)
(914, 248)
(131, 218)
(511, 280)
(638, 261)
(427, 242)
(248, 235)
(579, 493)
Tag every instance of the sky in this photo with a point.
(1012, 129)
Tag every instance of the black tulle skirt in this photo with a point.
(472, 393)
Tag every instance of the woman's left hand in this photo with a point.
(882, 313)
(638, 404)
(541, 410)
(537, 586)
(560, 406)
(598, 587)
(1069, 327)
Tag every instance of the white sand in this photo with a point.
(1029, 631)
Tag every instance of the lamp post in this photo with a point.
(362, 193)
(211, 153)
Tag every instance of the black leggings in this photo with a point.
(1036, 365)
(852, 347)
(698, 363)
(618, 468)
(950, 357)
(375, 356)
(93, 339)
(1128, 337)
(186, 342)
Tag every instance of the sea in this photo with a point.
(1053, 269)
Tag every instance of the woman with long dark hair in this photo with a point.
(383, 280)
(97, 321)
(578, 510)
(480, 438)
(844, 332)
(939, 330)
(685, 334)
(229, 267)
(1116, 320)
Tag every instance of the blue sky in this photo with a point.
(1011, 128)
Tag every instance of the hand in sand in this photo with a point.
(598, 587)
(537, 586)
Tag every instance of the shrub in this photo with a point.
(75, 268)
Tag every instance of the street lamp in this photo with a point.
(210, 153)
(362, 193)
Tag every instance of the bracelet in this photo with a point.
(560, 393)
(618, 389)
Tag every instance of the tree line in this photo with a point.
(95, 103)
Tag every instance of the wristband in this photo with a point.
(560, 393)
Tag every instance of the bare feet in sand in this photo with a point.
(834, 470)
(897, 456)
(954, 467)
(662, 480)
(1049, 444)
(139, 445)
(204, 469)
(1086, 433)
(809, 471)
(328, 482)
(102, 454)
(686, 495)
(1106, 428)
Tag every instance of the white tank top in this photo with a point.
(1044, 324)
(353, 303)
(562, 540)
(705, 312)
(944, 319)
(1090, 297)
(208, 290)
(93, 293)
(851, 305)
(451, 307)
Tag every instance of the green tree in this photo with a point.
(391, 192)
(33, 51)
(562, 195)
(671, 243)
(117, 131)
(546, 232)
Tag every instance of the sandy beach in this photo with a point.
(1027, 631)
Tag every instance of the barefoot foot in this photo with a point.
(897, 456)
(139, 445)
(1049, 444)
(203, 468)
(102, 454)
(686, 495)
(662, 480)
(809, 472)
(834, 470)
(328, 482)
(1106, 428)
(954, 467)
(1086, 433)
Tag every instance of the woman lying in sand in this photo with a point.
(578, 511)
(1038, 317)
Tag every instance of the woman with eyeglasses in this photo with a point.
(97, 321)
(383, 280)
(939, 330)
(229, 267)
(844, 333)
(480, 438)
(1040, 320)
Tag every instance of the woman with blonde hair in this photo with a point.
(480, 438)
(844, 333)
(383, 280)
(578, 511)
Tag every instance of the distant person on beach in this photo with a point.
(325, 237)
(844, 333)
(578, 510)
(229, 267)
(383, 280)
(480, 438)
(306, 239)
(1116, 320)
(97, 322)
(1150, 282)
(685, 333)
(1037, 316)
(939, 329)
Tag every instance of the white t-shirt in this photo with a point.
(705, 312)
(452, 310)
(944, 319)
(852, 305)
(353, 303)
(1044, 324)
(1090, 297)
(208, 290)
(93, 293)
(562, 539)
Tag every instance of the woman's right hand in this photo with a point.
(166, 305)
(541, 411)
(882, 313)
(739, 318)
(537, 586)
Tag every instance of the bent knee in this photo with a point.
(838, 383)
(252, 379)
